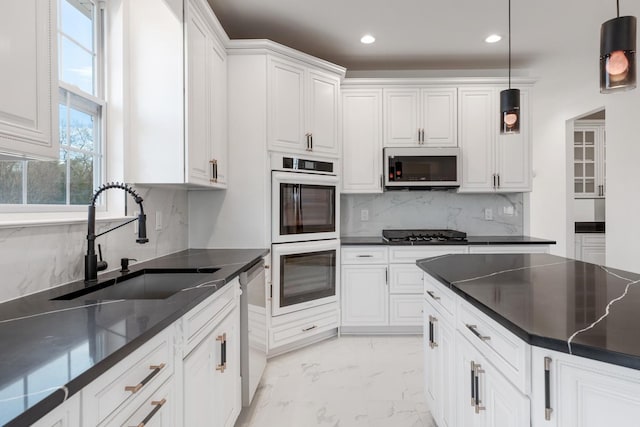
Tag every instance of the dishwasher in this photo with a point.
(253, 330)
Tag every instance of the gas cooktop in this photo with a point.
(424, 237)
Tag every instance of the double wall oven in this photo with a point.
(304, 233)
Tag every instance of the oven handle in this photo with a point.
(304, 178)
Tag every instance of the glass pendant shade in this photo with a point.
(618, 54)
(510, 111)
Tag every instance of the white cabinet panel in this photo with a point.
(405, 310)
(405, 279)
(439, 114)
(591, 248)
(583, 392)
(490, 161)
(159, 410)
(401, 117)
(65, 415)
(303, 113)
(361, 141)
(365, 295)
(28, 109)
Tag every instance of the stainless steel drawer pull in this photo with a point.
(432, 334)
(473, 328)
(477, 373)
(158, 404)
(364, 256)
(136, 388)
(432, 295)
(309, 328)
(547, 389)
(473, 388)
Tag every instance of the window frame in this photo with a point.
(59, 212)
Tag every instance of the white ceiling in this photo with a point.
(421, 34)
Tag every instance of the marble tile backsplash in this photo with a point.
(33, 258)
(431, 209)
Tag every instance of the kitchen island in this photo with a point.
(51, 349)
(534, 339)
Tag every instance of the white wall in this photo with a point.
(33, 258)
(568, 86)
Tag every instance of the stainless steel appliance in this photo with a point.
(424, 237)
(253, 330)
(305, 274)
(304, 235)
(305, 200)
(421, 168)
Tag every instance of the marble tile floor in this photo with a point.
(351, 381)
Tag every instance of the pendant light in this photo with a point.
(510, 100)
(618, 53)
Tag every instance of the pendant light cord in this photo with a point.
(617, 7)
(510, 43)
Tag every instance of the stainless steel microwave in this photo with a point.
(421, 168)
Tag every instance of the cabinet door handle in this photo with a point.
(386, 275)
(478, 404)
(498, 180)
(423, 135)
(136, 388)
(381, 181)
(494, 180)
(419, 136)
(214, 170)
(223, 353)
(432, 295)
(547, 389)
(308, 142)
(473, 388)
(364, 256)
(474, 329)
(158, 404)
(432, 327)
(311, 142)
(309, 328)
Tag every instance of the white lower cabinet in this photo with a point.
(365, 295)
(484, 396)
(591, 247)
(212, 375)
(65, 415)
(579, 392)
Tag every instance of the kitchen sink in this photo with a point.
(144, 284)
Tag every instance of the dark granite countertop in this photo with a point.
(550, 301)
(48, 346)
(472, 240)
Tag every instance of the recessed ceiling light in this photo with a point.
(493, 38)
(367, 39)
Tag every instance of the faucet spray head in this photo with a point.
(142, 229)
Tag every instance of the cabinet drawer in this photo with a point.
(442, 298)
(405, 279)
(405, 310)
(199, 322)
(132, 379)
(293, 327)
(159, 408)
(364, 255)
(413, 253)
(593, 240)
(508, 353)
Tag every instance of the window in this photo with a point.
(71, 180)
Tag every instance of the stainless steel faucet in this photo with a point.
(91, 263)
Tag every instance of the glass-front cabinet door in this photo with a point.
(589, 160)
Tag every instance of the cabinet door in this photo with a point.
(286, 101)
(65, 415)
(362, 141)
(28, 115)
(401, 126)
(226, 369)
(583, 392)
(322, 112)
(586, 161)
(445, 338)
(198, 377)
(218, 121)
(477, 129)
(513, 154)
(505, 405)
(198, 95)
(405, 310)
(439, 117)
(431, 376)
(465, 360)
(405, 279)
(365, 295)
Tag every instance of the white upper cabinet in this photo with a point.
(362, 141)
(303, 113)
(425, 116)
(28, 105)
(176, 119)
(492, 162)
(589, 159)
